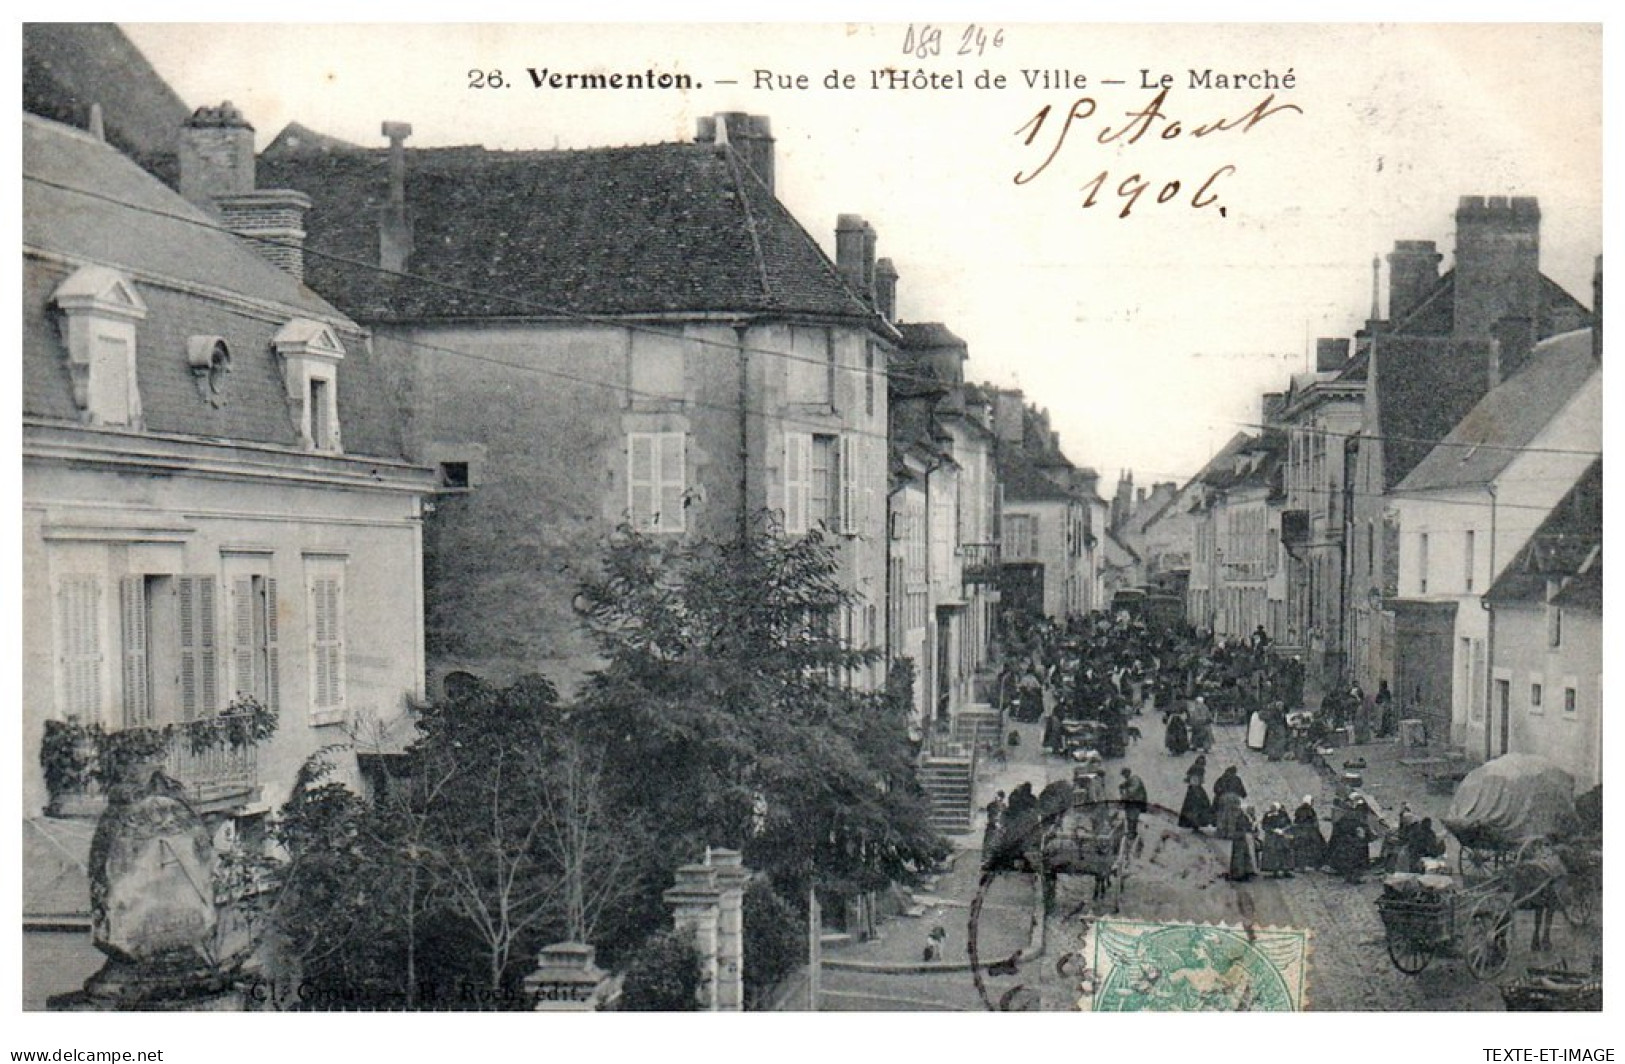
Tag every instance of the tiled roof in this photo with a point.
(1023, 482)
(1567, 547)
(85, 203)
(927, 334)
(67, 66)
(1487, 439)
(662, 228)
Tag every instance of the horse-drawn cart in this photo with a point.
(1427, 916)
(1503, 804)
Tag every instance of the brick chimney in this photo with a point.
(1009, 416)
(852, 243)
(216, 155)
(750, 136)
(886, 289)
(1270, 405)
(1497, 263)
(1514, 339)
(217, 173)
(273, 222)
(394, 220)
(1331, 352)
(1413, 271)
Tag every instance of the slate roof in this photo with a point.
(653, 229)
(1567, 547)
(86, 203)
(1426, 381)
(918, 335)
(1486, 440)
(67, 66)
(1022, 482)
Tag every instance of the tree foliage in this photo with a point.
(664, 975)
(733, 712)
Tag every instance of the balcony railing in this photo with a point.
(216, 774)
(980, 562)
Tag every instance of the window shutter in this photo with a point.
(273, 685)
(200, 696)
(849, 484)
(640, 479)
(327, 643)
(137, 688)
(79, 600)
(797, 480)
(672, 482)
(243, 643)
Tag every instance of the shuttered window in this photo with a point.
(797, 481)
(254, 664)
(326, 627)
(851, 490)
(656, 481)
(199, 654)
(138, 701)
(80, 646)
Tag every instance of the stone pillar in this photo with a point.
(732, 877)
(694, 903)
(565, 979)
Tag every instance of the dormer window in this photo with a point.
(101, 308)
(311, 353)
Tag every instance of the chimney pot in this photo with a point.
(886, 289)
(216, 155)
(395, 221)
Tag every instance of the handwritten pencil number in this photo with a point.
(977, 40)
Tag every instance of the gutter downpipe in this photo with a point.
(1489, 642)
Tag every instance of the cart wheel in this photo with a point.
(1408, 955)
(1473, 863)
(1487, 948)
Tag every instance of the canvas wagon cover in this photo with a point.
(1511, 799)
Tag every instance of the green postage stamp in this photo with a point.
(1178, 967)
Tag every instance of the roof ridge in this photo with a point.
(735, 166)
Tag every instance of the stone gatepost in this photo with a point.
(695, 902)
(565, 979)
(731, 877)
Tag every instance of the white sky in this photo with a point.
(1150, 337)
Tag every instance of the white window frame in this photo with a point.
(1537, 695)
(797, 481)
(252, 630)
(655, 501)
(81, 666)
(326, 639)
(1571, 686)
(311, 352)
(102, 307)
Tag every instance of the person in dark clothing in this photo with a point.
(1243, 848)
(1308, 843)
(1196, 812)
(1177, 737)
(1349, 851)
(1022, 800)
(1135, 801)
(1276, 734)
(1275, 844)
(1229, 782)
(1385, 710)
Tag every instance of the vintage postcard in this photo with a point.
(833, 517)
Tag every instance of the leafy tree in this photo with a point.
(728, 711)
(664, 975)
(775, 939)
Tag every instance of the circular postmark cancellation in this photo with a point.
(1131, 912)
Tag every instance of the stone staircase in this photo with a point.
(979, 726)
(947, 774)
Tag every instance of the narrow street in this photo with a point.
(1175, 876)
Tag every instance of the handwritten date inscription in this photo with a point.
(1150, 121)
